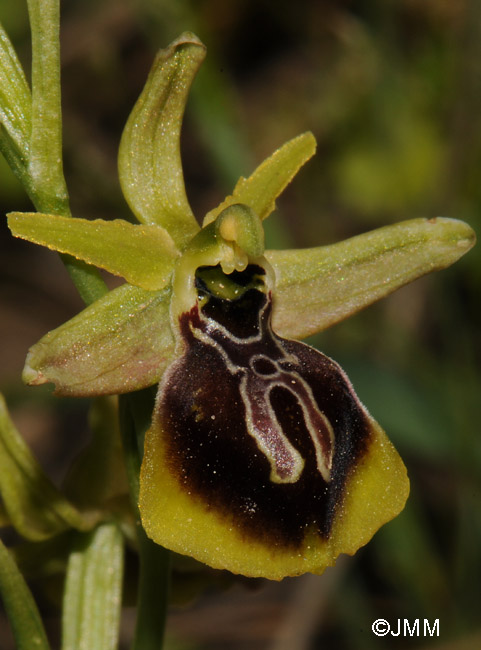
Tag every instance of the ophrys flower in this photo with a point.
(260, 458)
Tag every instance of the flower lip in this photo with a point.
(261, 430)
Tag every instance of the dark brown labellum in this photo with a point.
(259, 428)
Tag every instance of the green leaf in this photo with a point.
(93, 591)
(143, 255)
(121, 343)
(266, 183)
(20, 606)
(150, 167)
(317, 287)
(15, 99)
(35, 506)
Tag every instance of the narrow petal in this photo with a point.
(150, 167)
(143, 255)
(260, 458)
(266, 183)
(119, 344)
(36, 508)
(317, 287)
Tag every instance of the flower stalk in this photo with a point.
(154, 560)
(43, 170)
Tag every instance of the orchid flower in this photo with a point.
(260, 458)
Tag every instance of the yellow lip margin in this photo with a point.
(375, 492)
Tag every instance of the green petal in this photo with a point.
(120, 343)
(150, 167)
(261, 189)
(317, 287)
(35, 506)
(143, 255)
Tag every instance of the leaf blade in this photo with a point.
(92, 598)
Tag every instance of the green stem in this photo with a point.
(135, 410)
(45, 151)
(153, 597)
(86, 278)
(47, 189)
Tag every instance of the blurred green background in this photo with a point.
(392, 91)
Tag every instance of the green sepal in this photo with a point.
(15, 99)
(142, 254)
(150, 168)
(93, 590)
(317, 287)
(20, 606)
(36, 508)
(266, 183)
(120, 343)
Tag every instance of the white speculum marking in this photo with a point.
(259, 375)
